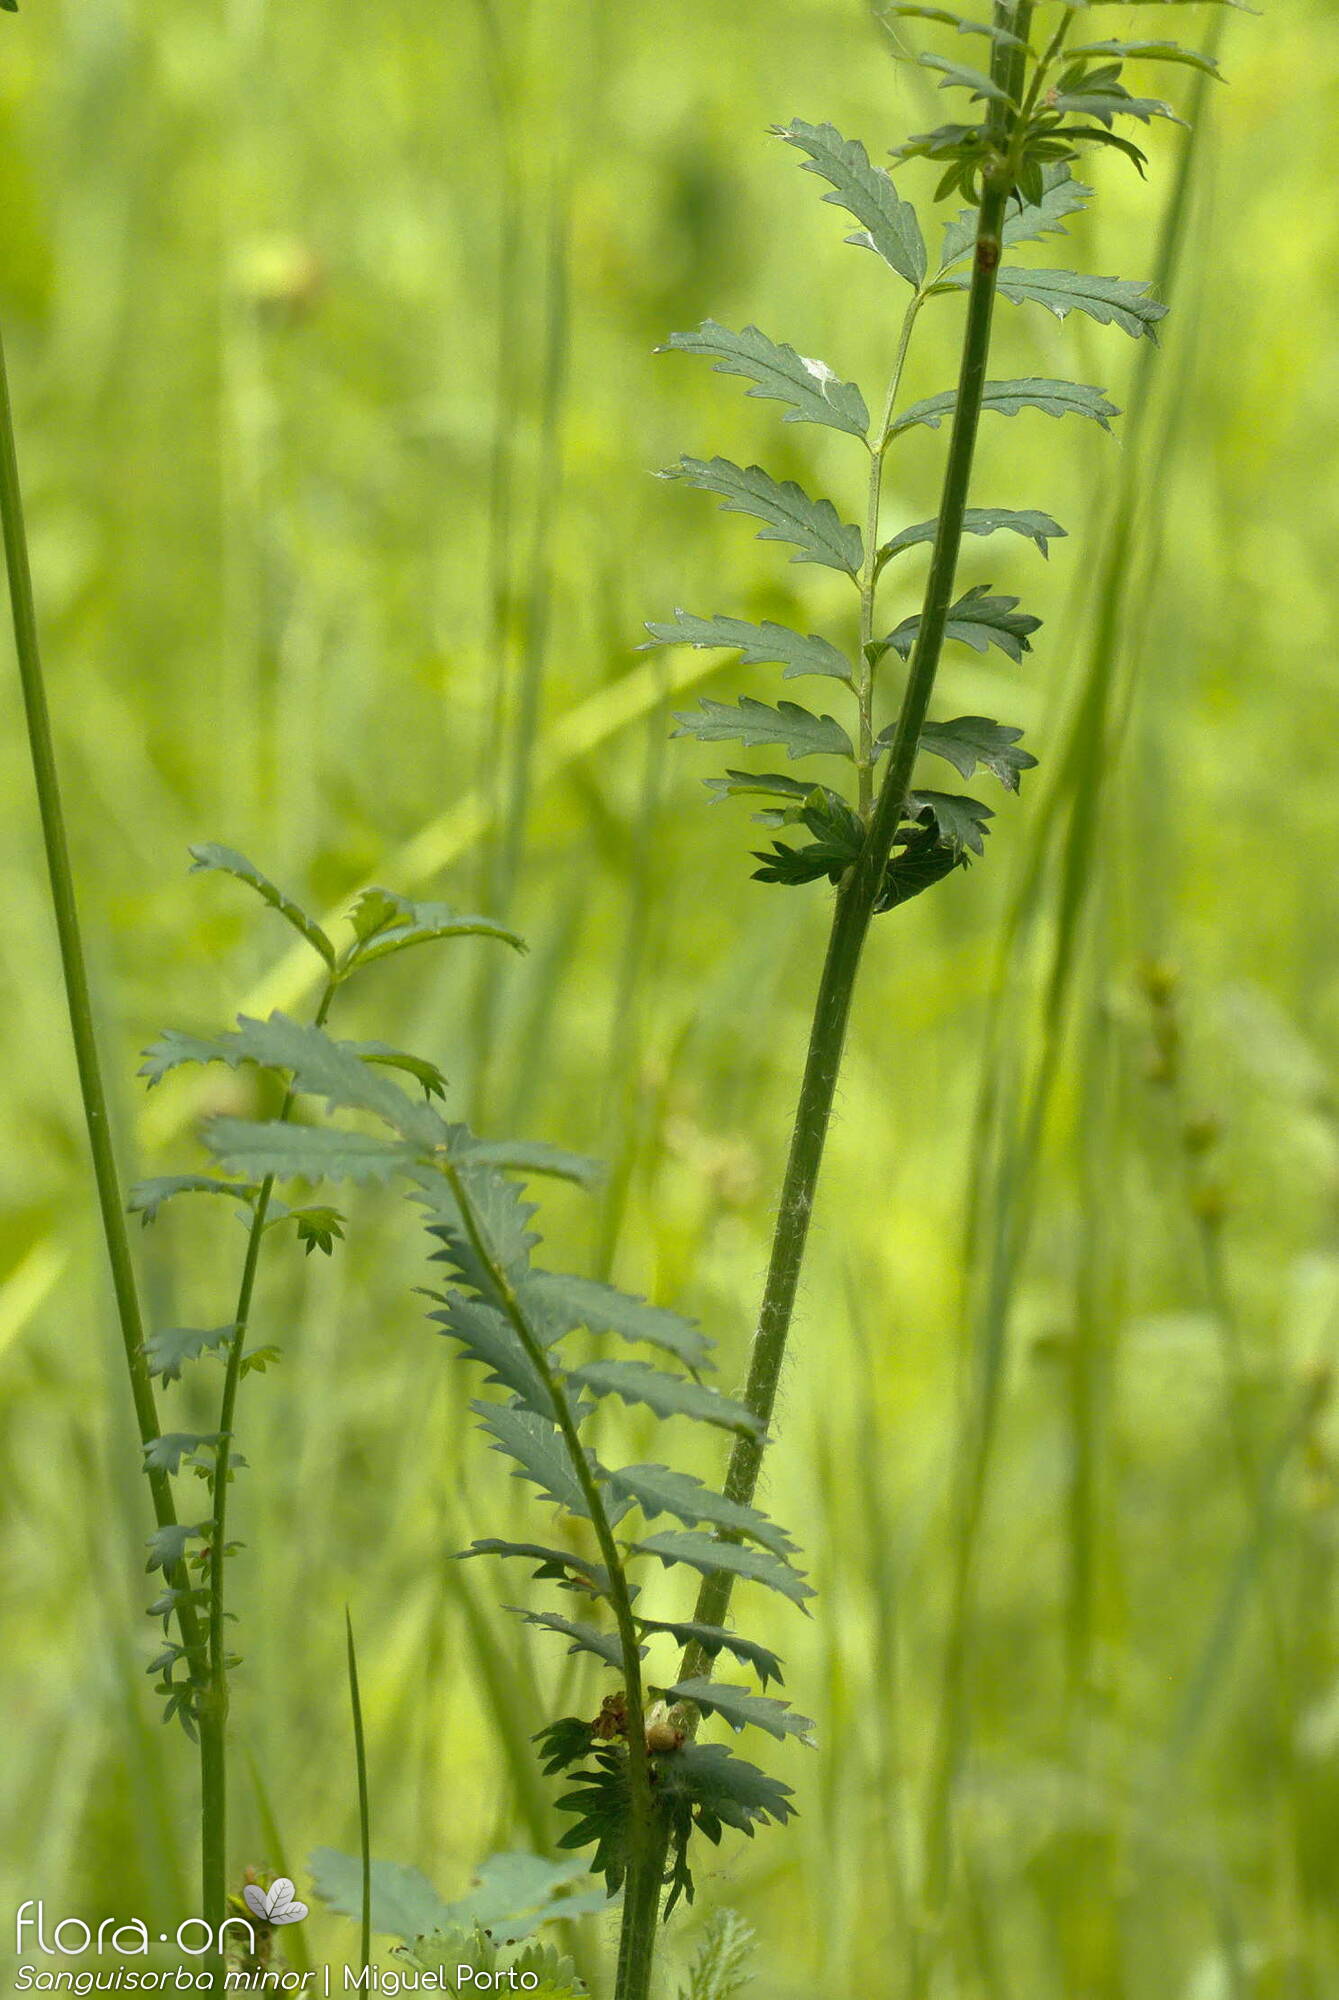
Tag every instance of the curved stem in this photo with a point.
(214, 1702)
(111, 1206)
(639, 1885)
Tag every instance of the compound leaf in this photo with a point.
(970, 740)
(1122, 302)
(814, 526)
(148, 1196)
(168, 1350)
(563, 1303)
(779, 375)
(658, 1490)
(585, 1638)
(740, 1706)
(1006, 399)
(167, 1547)
(539, 1451)
(304, 1152)
(385, 923)
(1171, 52)
(797, 653)
(572, 1571)
(165, 1453)
(667, 1395)
(1034, 527)
(961, 821)
(751, 723)
(977, 620)
(959, 76)
(714, 1639)
(487, 1336)
(536, 1156)
(708, 1555)
(229, 862)
(1062, 196)
(888, 224)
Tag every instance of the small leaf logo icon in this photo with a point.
(275, 1905)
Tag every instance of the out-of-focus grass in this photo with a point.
(331, 346)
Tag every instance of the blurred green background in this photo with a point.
(331, 337)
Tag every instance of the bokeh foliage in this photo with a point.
(332, 349)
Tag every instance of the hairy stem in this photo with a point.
(111, 1206)
(213, 1708)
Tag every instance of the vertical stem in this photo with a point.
(856, 898)
(64, 906)
(214, 1702)
(364, 1809)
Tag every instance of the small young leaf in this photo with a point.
(791, 516)
(168, 1351)
(305, 1152)
(658, 1490)
(318, 1228)
(166, 1453)
(147, 1197)
(1004, 36)
(720, 1969)
(585, 1638)
(714, 1639)
(751, 723)
(1122, 302)
(1038, 528)
(977, 620)
(1006, 399)
(797, 653)
(422, 1071)
(167, 1547)
(889, 225)
(780, 375)
(667, 1395)
(1171, 52)
(384, 923)
(257, 1359)
(970, 740)
(739, 1707)
(923, 860)
(708, 1555)
(229, 862)
(562, 1304)
(961, 821)
(958, 76)
(1112, 103)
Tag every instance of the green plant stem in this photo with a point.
(213, 1706)
(111, 1205)
(869, 579)
(855, 903)
(645, 1862)
(364, 1811)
